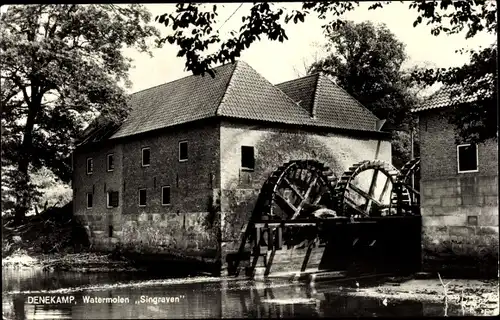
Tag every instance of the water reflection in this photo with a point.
(199, 298)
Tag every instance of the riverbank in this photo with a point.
(453, 296)
(55, 241)
(75, 262)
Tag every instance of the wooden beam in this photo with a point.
(294, 189)
(270, 262)
(311, 186)
(364, 194)
(384, 190)
(284, 204)
(307, 256)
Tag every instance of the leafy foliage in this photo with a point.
(266, 19)
(366, 60)
(61, 65)
(446, 16)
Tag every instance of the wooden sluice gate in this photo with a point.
(310, 225)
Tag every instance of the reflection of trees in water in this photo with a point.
(306, 301)
(289, 301)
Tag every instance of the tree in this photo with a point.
(61, 67)
(264, 19)
(366, 60)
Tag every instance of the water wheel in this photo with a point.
(407, 199)
(366, 189)
(295, 190)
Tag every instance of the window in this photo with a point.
(165, 195)
(110, 162)
(146, 157)
(247, 157)
(110, 231)
(467, 158)
(90, 165)
(112, 199)
(142, 197)
(183, 151)
(90, 200)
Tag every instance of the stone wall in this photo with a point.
(188, 226)
(274, 147)
(459, 210)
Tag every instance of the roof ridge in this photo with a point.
(315, 94)
(223, 99)
(306, 76)
(357, 102)
(173, 81)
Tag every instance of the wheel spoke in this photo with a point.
(293, 188)
(311, 186)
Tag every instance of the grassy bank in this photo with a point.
(54, 240)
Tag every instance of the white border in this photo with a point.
(107, 162)
(139, 197)
(107, 200)
(458, 159)
(170, 193)
(186, 142)
(87, 166)
(142, 157)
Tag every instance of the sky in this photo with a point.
(279, 62)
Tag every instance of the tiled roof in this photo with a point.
(443, 97)
(330, 105)
(238, 91)
(301, 90)
(439, 99)
(180, 101)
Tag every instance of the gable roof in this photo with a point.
(329, 104)
(238, 91)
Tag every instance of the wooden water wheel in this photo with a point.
(407, 199)
(295, 190)
(366, 189)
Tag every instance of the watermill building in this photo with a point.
(182, 174)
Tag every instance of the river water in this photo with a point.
(35, 294)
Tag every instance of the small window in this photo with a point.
(467, 158)
(247, 157)
(165, 195)
(110, 162)
(112, 199)
(90, 200)
(90, 165)
(110, 231)
(142, 197)
(183, 151)
(146, 157)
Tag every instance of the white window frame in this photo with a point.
(87, 200)
(458, 158)
(170, 193)
(187, 155)
(241, 158)
(107, 200)
(139, 198)
(142, 156)
(87, 166)
(107, 162)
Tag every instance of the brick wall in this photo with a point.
(274, 147)
(459, 210)
(187, 226)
